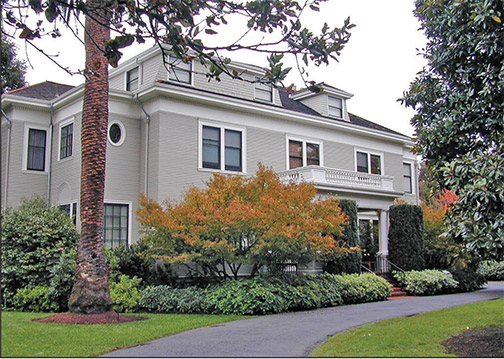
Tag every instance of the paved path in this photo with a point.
(294, 334)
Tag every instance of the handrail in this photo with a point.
(396, 266)
(366, 268)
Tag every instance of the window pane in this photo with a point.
(65, 208)
(233, 159)
(295, 154)
(132, 79)
(335, 106)
(408, 186)
(211, 147)
(36, 150)
(66, 141)
(116, 225)
(312, 154)
(375, 164)
(263, 91)
(407, 169)
(233, 139)
(295, 162)
(362, 165)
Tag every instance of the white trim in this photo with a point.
(343, 107)
(370, 152)
(62, 124)
(130, 216)
(123, 132)
(304, 140)
(272, 92)
(24, 164)
(223, 127)
(77, 219)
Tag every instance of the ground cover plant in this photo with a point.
(21, 337)
(417, 336)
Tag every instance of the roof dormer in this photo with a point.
(330, 101)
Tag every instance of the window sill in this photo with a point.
(224, 172)
(66, 159)
(34, 172)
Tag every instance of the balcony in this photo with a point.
(344, 180)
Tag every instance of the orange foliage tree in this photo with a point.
(234, 221)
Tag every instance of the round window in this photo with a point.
(116, 133)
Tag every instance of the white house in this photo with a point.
(170, 129)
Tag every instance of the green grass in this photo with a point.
(21, 337)
(417, 336)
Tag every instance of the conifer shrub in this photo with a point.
(346, 262)
(406, 237)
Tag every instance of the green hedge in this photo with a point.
(426, 282)
(491, 270)
(267, 295)
(347, 263)
(406, 237)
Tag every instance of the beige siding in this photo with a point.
(338, 155)
(267, 147)
(393, 167)
(5, 135)
(117, 81)
(317, 103)
(153, 170)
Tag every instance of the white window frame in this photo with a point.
(126, 77)
(369, 153)
(263, 84)
(24, 165)
(71, 203)
(304, 140)
(123, 133)
(413, 177)
(61, 125)
(130, 217)
(175, 60)
(223, 128)
(342, 106)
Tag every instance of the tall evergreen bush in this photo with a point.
(348, 262)
(406, 237)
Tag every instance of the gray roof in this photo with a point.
(43, 91)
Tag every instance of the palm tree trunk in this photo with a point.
(90, 293)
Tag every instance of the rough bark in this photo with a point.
(90, 293)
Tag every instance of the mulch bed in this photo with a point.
(104, 318)
(486, 342)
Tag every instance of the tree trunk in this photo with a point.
(90, 293)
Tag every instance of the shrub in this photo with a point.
(426, 282)
(468, 280)
(406, 237)
(35, 299)
(361, 288)
(62, 279)
(491, 270)
(165, 299)
(347, 262)
(34, 236)
(125, 293)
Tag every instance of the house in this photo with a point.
(169, 128)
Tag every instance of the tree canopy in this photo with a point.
(184, 24)
(234, 221)
(12, 70)
(459, 124)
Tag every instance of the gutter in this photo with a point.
(147, 133)
(7, 158)
(49, 166)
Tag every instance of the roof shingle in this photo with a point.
(43, 91)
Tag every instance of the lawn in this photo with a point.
(416, 336)
(23, 338)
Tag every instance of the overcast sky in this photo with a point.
(377, 65)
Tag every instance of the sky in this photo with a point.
(377, 65)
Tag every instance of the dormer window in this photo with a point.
(132, 79)
(335, 106)
(263, 91)
(179, 70)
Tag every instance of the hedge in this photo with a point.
(406, 237)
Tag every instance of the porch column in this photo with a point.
(382, 265)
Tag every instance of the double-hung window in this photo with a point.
(263, 91)
(304, 153)
(36, 150)
(335, 106)
(180, 71)
(132, 79)
(369, 163)
(408, 178)
(66, 141)
(70, 209)
(222, 148)
(116, 225)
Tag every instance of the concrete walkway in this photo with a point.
(294, 334)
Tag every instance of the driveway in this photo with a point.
(294, 334)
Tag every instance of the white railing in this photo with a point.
(336, 177)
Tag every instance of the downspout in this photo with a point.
(147, 132)
(49, 167)
(7, 158)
